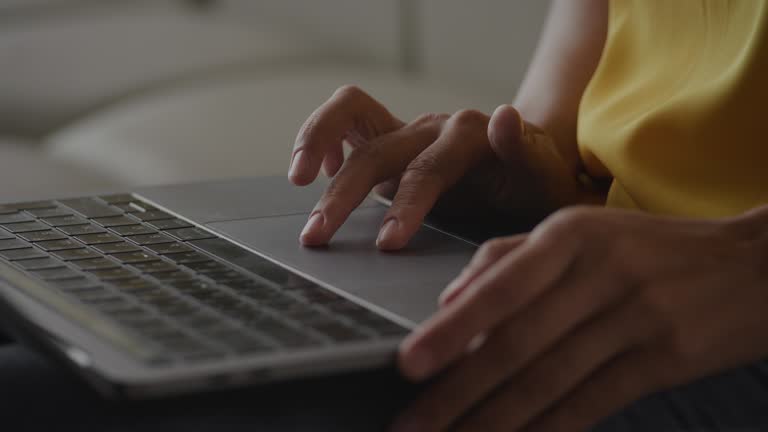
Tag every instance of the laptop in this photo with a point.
(198, 287)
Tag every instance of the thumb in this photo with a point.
(507, 134)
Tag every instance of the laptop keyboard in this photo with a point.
(188, 293)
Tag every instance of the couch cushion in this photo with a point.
(58, 65)
(234, 127)
(26, 173)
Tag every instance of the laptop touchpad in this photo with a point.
(406, 283)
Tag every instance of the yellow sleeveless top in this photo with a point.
(677, 110)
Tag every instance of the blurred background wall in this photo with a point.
(152, 91)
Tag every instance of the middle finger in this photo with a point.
(365, 167)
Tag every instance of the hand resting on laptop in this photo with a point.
(470, 161)
(592, 310)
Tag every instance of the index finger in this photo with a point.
(322, 134)
(366, 167)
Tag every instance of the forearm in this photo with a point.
(566, 57)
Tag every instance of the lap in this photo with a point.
(40, 393)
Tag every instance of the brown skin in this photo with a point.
(513, 165)
(590, 311)
(554, 329)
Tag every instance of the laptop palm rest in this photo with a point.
(406, 283)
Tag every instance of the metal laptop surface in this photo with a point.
(264, 216)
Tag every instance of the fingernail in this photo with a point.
(297, 164)
(387, 232)
(407, 423)
(313, 226)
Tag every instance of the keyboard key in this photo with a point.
(77, 230)
(130, 230)
(165, 224)
(148, 239)
(57, 245)
(4, 210)
(133, 285)
(281, 333)
(118, 198)
(115, 273)
(60, 221)
(199, 320)
(186, 234)
(130, 207)
(251, 262)
(95, 264)
(39, 263)
(114, 221)
(106, 302)
(49, 212)
(159, 299)
(99, 238)
(76, 254)
(34, 205)
(91, 207)
(124, 311)
(187, 257)
(36, 236)
(15, 217)
(153, 215)
(169, 248)
(97, 298)
(207, 267)
(4, 235)
(13, 243)
(174, 277)
(57, 273)
(338, 331)
(113, 248)
(22, 254)
(135, 257)
(25, 227)
(155, 267)
(227, 276)
(193, 286)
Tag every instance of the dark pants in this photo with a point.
(39, 395)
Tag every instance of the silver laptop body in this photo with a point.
(354, 303)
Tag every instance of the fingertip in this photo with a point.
(414, 361)
(301, 172)
(389, 236)
(313, 234)
(505, 125)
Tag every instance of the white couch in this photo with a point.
(115, 93)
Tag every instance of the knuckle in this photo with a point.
(332, 192)
(570, 221)
(470, 117)
(492, 248)
(431, 118)
(366, 153)
(349, 91)
(425, 165)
